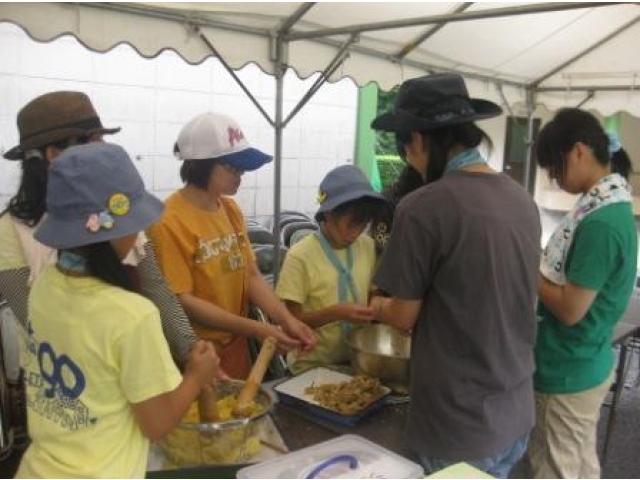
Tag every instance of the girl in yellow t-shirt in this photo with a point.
(326, 277)
(100, 379)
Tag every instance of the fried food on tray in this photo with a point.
(347, 397)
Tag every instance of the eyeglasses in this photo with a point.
(232, 169)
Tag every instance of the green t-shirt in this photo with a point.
(602, 257)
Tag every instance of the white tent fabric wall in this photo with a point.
(152, 98)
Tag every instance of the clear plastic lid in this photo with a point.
(347, 456)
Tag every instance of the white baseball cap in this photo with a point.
(212, 135)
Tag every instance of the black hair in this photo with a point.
(362, 210)
(381, 224)
(104, 263)
(408, 180)
(440, 142)
(197, 172)
(29, 203)
(621, 163)
(558, 137)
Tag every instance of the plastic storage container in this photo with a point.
(348, 456)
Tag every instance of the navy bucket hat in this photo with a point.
(341, 185)
(434, 101)
(95, 194)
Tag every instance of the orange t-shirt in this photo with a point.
(206, 254)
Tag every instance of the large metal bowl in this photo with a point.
(224, 442)
(382, 351)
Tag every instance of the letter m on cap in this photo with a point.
(235, 135)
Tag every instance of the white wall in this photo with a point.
(152, 99)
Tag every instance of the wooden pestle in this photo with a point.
(244, 402)
(207, 405)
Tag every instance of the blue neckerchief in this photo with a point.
(72, 262)
(464, 159)
(346, 284)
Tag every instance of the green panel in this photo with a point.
(365, 136)
(612, 123)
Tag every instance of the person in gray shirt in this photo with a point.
(460, 269)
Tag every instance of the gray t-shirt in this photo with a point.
(467, 245)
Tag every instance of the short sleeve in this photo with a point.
(11, 253)
(293, 281)
(405, 268)
(594, 255)
(172, 259)
(146, 367)
(369, 251)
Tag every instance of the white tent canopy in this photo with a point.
(565, 53)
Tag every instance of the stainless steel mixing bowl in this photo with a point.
(224, 442)
(382, 351)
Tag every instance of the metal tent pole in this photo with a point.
(586, 51)
(280, 63)
(233, 74)
(448, 17)
(531, 107)
(280, 68)
(416, 42)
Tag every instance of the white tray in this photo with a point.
(292, 392)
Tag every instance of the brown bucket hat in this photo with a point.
(53, 117)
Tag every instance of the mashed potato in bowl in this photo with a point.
(228, 440)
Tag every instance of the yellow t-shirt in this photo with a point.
(308, 278)
(206, 254)
(93, 350)
(11, 254)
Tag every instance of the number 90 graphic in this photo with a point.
(52, 369)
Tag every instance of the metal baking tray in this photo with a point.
(291, 392)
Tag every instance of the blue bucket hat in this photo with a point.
(216, 136)
(95, 194)
(341, 185)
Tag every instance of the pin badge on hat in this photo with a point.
(119, 204)
(322, 196)
(96, 221)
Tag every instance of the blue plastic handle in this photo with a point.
(353, 463)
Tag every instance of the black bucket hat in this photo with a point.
(53, 117)
(431, 102)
